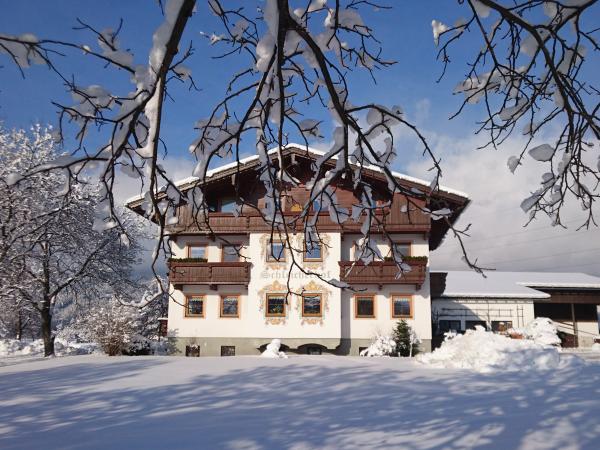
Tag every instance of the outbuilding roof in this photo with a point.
(469, 284)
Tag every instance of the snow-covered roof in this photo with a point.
(513, 284)
(250, 159)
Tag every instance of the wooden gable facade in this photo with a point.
(240, 184)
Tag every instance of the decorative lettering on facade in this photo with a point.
(270, 274)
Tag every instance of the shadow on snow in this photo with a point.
(302, 403)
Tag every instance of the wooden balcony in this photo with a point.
(210, 273)
(384, 272)
(227, 223)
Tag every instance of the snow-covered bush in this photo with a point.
(14, 347)
(596, 347)
(485, 351)
(382, 346)
(114, 327)
(407, 342)
(272, 350)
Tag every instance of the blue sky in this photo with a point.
(498, 235)
(405, 32)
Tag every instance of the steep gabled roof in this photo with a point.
(302, 150)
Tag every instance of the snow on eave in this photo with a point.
(398, 175)
(249, 159)
(502, 295)
(561, 285)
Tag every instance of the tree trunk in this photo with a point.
(46, 309)
(47, 329)
(19, 326)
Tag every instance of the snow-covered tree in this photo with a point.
(53, 248)
(529, 68)
(296, 54)
(18, 319)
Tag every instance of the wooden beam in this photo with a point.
(574, 319)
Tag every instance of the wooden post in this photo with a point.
(575, 332)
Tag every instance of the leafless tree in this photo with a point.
(52, 246)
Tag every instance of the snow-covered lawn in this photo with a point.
(303, 402)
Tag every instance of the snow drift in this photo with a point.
(484, 351)
(541, 330)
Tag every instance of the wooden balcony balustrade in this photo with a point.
(211, 273)
(384, 272)
(227, 223)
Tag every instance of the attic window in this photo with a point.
(227, 204)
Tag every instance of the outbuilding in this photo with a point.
(502, 300)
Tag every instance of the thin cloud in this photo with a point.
(498, 235)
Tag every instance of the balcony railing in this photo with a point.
(192, 272)
(227, 223)
(384, 272)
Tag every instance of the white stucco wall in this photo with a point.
(338, 319)
(383, 322)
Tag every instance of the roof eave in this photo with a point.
(250, 161)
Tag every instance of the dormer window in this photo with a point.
(227, 204)
(222, 204)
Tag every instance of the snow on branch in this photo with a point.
(531, 75)
(294, 55)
